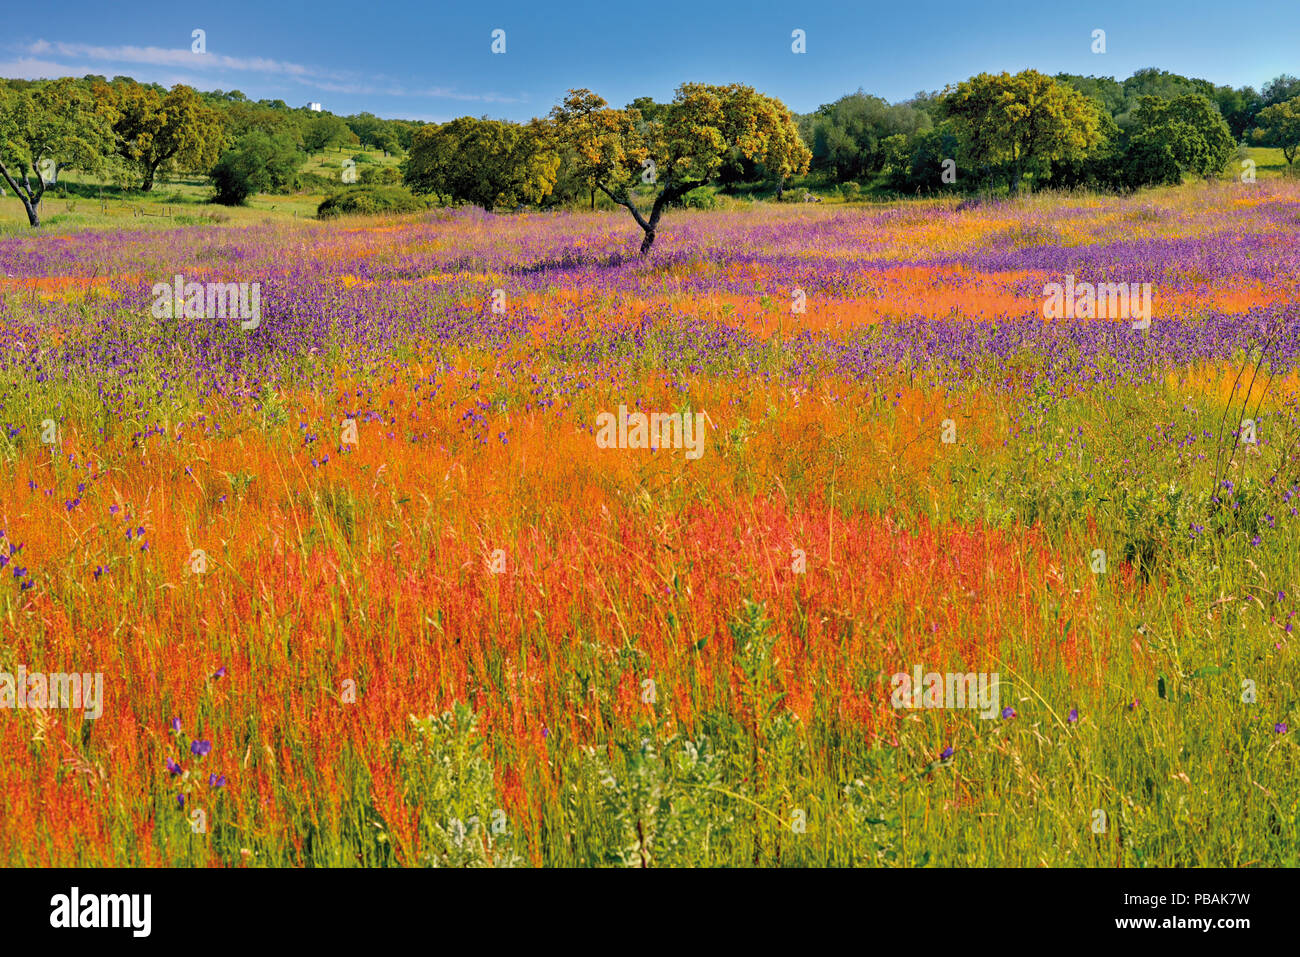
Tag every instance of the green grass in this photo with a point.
(85, 202)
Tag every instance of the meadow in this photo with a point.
(364, 588)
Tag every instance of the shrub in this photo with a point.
(702, 197)
(443, 765)
(370, 199)
(381, 176)
(315, 181)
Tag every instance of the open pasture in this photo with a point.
(364, 588)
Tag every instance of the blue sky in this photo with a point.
(432, 60)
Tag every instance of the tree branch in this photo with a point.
(627, 202)
(40, 182)
(4, 171)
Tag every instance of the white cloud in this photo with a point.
(29, 68)
(160, 56)
(329, 81)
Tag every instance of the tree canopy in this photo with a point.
(684, 148)
(157, 131)
(1022, 121)
(1279, 125)
(490, 163)
(58, 122)
(1173, 137)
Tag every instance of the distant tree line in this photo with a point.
(1030, 130)
(131, 133)
(992, 131)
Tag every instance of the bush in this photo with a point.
(362, 200)
(702, 197)
(850, 191)
(381, 176)
(315, 181)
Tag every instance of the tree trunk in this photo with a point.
(670, 194)
(593, 199)
(149, 172)
(648, 226)
(30, 198)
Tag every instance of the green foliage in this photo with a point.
(691, 143)
(1174, 137)
(327, 131)
(1004, 128)
(662, 805)
(1106, 90)
(1102, 168)
(1280, 89)
(58, 122)
(915, 164)
(702, 197)
(647, 109)
(258, 163)
(381, 176)
(1023, 122)
(159, 131)
(446, 774)
(1279, 125)
(370, 199)
(1238, 107)
(489, 163)
(370, 130)
(848, 136)
(241, 118)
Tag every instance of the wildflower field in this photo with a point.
(365, 588)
